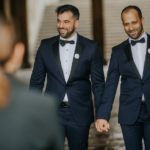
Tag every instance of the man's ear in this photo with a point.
(77, 24)
(142, 20)
(18, 54)
(15, 61)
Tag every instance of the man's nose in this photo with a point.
(61, 25)
(130, 27)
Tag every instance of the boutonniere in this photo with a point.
(149, 50)
(76, 56)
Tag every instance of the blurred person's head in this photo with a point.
(67, 20)
(11, 50)
(132, 21)
(11, 56)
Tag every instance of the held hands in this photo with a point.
(102, 125)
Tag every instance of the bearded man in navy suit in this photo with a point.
(73, 66)
(130, 60)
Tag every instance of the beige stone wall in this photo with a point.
(35, 10)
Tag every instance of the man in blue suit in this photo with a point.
(73, 66)
(130, 60)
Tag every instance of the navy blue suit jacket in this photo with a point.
(132, 85)
(78, 87)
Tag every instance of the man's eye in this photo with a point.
(66, 21)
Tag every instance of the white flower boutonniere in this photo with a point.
(149, 50)
(76, 56)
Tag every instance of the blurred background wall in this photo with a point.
(100, 20)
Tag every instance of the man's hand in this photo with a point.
(102, 125)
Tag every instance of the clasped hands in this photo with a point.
(102, 125)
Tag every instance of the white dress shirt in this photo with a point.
(139, 54)
(66, 54)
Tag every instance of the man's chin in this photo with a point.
(133, 36)
(65, 35)
(62, 35)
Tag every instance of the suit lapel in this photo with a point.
(127, 50)
(57, 57)
(147, 58)
(76, 57)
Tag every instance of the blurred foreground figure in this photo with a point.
(28, 121)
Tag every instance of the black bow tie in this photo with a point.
(63, 42)
(142, 40)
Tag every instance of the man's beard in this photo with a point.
(67, 34)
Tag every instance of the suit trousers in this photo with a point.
(77, 135)
(137, 136)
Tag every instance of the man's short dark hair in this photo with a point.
(132, 7)
(64, 8)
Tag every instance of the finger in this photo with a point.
(108, 126)
(98, 127)
(104, 127)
